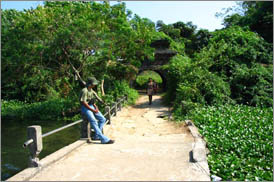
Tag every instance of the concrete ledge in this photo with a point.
(28, 173)
(199, 150)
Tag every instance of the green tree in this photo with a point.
(242, 59)
(186, 35)
(191, 85)
(186, 29)
(257, 15)
(44, 49)
(198, 41)
(169, 30)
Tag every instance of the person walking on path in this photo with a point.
(155, 87)
(91, 111)
(150, 90)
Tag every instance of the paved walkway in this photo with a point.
(147, 148)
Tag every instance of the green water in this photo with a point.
(14, 158)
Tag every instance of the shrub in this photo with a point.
(252, 86)
(47, 110)
(244, 61)
(55, 108)
(117, 88)
(190, 86)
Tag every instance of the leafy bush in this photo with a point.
(244, 61)
(190, 86)
(47, 110)
(240, 140)
(55, 108)
(252, 86)
(118, 89)
(177, 66)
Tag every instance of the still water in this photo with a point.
(14, 158)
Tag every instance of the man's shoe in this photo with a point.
(94, 138)
(110, 142)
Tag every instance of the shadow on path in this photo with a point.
(157, 104)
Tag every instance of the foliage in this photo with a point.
(54, 109)
(186, 36)
(43, 49)
(118, 89)
(169, 30)
(179, 47)
(178, 30)
(143, 78)
(235, 66)
(243, 60)
(240, 140)
(252, 86)
(190, 85)
(198, 41)
(257, 15)
(47, 110)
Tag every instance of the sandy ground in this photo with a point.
(147, 148)
(144, 120)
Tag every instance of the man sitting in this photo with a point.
(91, 111)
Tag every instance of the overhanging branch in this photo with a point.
(80, 78)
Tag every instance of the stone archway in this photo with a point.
(162, 56)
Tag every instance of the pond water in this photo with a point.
(14, 158)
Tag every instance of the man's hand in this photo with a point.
(96, 109)
(88, 107)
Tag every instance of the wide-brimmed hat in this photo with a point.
(92, 81)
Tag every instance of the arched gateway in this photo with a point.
(162, 56)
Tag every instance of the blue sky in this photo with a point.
(201, 13)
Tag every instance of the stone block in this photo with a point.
(35, 132)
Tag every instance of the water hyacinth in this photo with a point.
(240, 140)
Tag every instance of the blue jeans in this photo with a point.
(98, 127)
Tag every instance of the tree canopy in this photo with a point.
(44, 49)
(47, 50)
(256, 15)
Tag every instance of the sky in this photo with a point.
(201, 13)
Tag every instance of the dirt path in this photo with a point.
(145, 120)
(147, 148)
